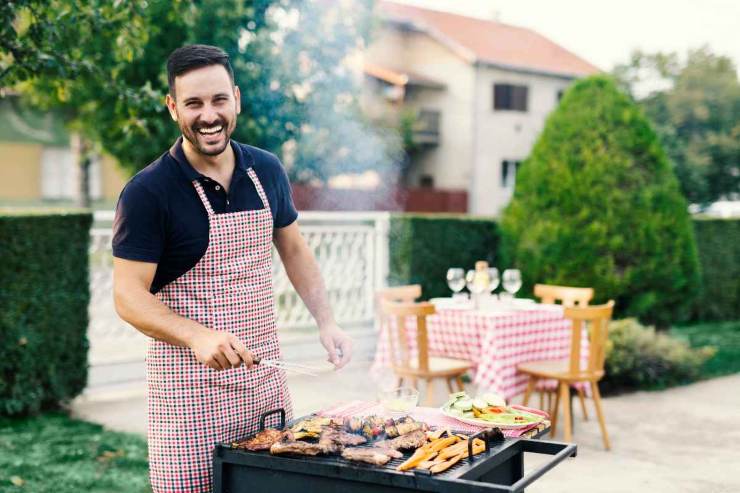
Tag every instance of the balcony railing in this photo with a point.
(426, 128)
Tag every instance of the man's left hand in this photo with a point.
(337, 343)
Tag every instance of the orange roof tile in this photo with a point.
(481, 40)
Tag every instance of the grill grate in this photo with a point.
(500, 468)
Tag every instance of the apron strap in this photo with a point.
(203, 198)
(260, 190)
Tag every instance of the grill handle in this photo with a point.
(487, 436)
(264, 416)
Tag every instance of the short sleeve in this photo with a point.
(138, 227)
(286, 213)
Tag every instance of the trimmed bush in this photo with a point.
(639, 358)
(423, 247)
(718, 241)
(597, 204)
(43, 310)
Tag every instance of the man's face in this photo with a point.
(205, 108)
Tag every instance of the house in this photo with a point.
(37, 165)
(478, 90)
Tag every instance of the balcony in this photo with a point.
(426, 128)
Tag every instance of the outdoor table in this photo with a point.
(495, 341)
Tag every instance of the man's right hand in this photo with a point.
(219, 350)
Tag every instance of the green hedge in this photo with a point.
(718, 242)
(423, 247)
(44, 298)
(638, 357)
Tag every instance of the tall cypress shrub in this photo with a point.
(597, 204)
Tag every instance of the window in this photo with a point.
(426, 181)
(59, 174)
(510, 97)
(508, 172)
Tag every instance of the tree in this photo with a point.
(597, 204)
(63, 55)
(695, 106)
(298, 97)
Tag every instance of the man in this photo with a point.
(192, 270)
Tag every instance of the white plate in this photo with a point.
(487, 424)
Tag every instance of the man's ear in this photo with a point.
(171, 106)
(238, 96)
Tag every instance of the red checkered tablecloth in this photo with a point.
(496, 342)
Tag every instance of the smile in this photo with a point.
(211, 130)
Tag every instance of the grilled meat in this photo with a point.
(262, 440)
(375, 426)
(348, 439)
(374, 455)
(403, 426)
(412, 440)
(333, 439)
(296, 447)
(330, 441)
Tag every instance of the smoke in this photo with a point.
(321, 44)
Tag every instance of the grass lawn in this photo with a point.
(54, 453)
(725, 336)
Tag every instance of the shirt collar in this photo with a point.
(244, 160)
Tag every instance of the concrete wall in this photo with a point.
(450, 162)
(506, 135)
(21, 175)
(112, 178)
(20, 171)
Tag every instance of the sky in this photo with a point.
(605, 32)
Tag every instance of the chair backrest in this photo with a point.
(567, 295)
(596, 319)
(400, 293)
(407, 294)
(394, 315)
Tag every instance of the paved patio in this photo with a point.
(684, 439)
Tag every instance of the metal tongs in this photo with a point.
(284, 365)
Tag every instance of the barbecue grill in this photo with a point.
(500, 468)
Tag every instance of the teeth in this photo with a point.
(211, 130)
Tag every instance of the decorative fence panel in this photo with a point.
(351, 249)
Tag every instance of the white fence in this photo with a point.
(351, 249)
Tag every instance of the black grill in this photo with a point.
(499, 469)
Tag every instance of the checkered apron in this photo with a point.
(192, 407)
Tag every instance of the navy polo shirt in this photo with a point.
(161, 219)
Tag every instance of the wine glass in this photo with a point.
(512, 281)
(455, 279)
(493, 279)
(473, 286)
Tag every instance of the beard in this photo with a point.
(211, 144)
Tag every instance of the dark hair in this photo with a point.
(191, 57)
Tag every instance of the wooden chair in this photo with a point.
(400, 293)
(568, 372)
(422, 366)
(568, 296)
